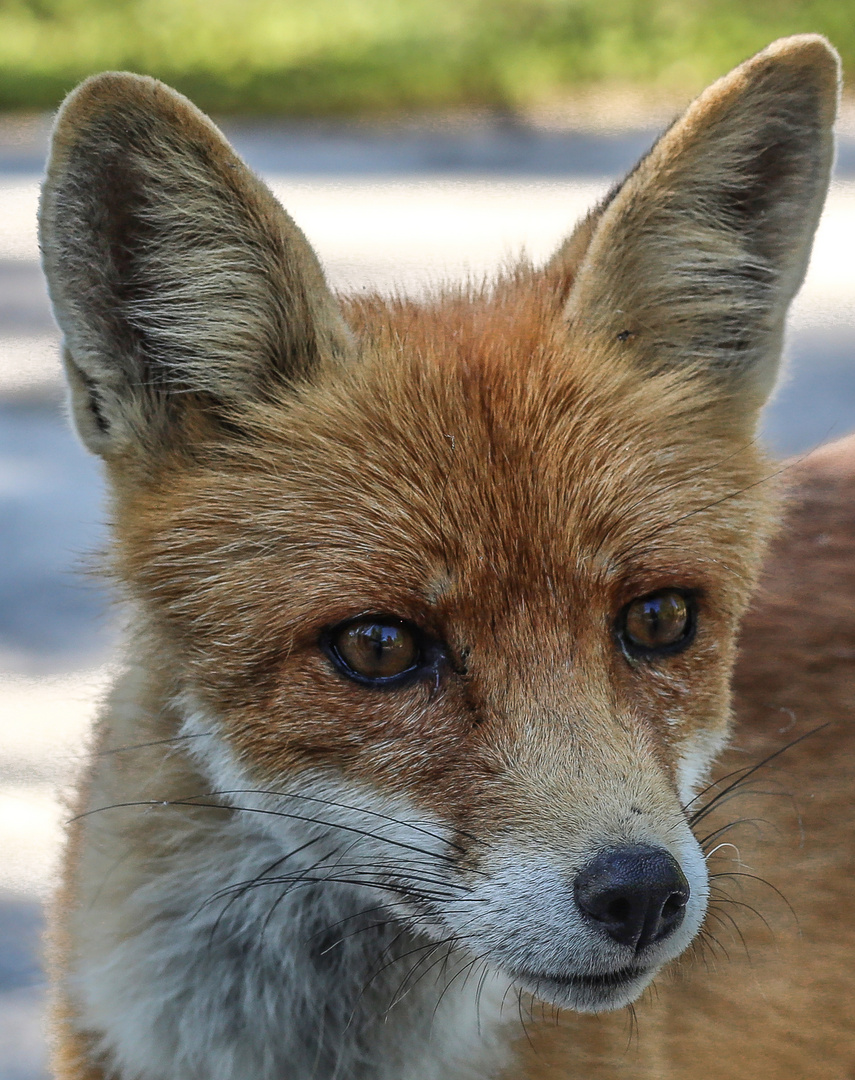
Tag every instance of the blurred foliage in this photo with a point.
(348, 56)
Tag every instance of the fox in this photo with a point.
(432, 603)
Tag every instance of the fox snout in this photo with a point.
(585, 912)
(593, 940)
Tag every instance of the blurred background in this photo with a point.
(413, 141)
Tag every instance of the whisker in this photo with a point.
(353, 933)
(632, 1028)
(707, 938)
(154, 742)
(711, 838)
(242, 888)
(430, 948)
(468, 969)
(735, 928)
(410, 979)
(522, 1021)
(343, 806)
(346, 919)
(266, 812)
(302, 880)
(722, 899)
(653, 533)
(763, 881)
(664, 488)
(749, 770)
(485, 970)
(396, 872)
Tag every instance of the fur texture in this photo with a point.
(769, 991)
(281, 868)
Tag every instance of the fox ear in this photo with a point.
(691, 263)
(175, 275)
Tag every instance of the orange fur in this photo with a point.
(771, 992)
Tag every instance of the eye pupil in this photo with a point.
(373, 649)
(658, 621)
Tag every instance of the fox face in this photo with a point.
(444, 594)
(515, 621)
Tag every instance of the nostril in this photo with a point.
(636, 893)
(619, 910)
(674, 906)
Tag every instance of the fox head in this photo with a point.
(466, 571)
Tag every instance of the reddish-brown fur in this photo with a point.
(771, 992)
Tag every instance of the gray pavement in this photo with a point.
(416, 202)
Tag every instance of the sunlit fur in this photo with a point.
(277, 870)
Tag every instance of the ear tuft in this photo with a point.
(171, 267)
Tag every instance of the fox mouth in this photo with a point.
(586, 993)
(588, 982)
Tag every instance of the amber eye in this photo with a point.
(375, 649)
(661, 622)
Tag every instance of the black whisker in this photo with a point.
(367, 873)
(343, 806)
(632, 1028)
(763, 881)
(664, 488)
(266, 812)
(353, 933)
(241, 888)
(723, 899)
(711, 838)
(348, 918)
(723, 916)
(749, 770)
(466, 968)
(522, 1020)
(154, 742)
(366, 881)
(429, 947)
(653, 533)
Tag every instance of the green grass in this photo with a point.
(317, 57)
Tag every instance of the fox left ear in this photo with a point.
(694, 259)
(175, 275)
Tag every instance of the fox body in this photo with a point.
(432, 605)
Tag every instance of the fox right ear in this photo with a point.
(692, 262)
(176, 277)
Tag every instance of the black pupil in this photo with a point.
(380, 641)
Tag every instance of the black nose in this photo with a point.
(636, 893)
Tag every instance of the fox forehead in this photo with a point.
(474, 448)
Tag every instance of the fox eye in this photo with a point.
(375, 649)
(662, 622)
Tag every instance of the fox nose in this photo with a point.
(636, 893)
